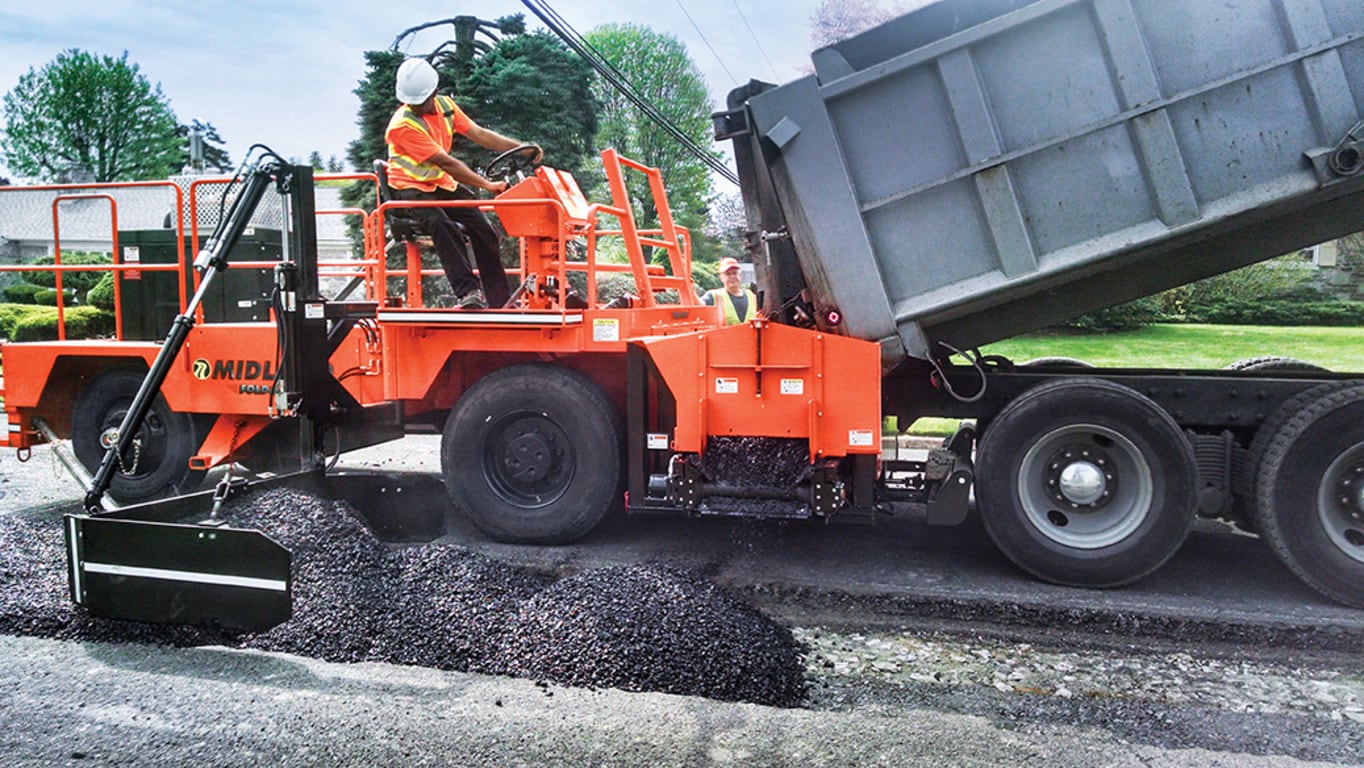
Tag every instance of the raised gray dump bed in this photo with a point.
(981, 168)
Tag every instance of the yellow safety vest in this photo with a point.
(409, 168)
(722, 297)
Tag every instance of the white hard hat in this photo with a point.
(417, 80)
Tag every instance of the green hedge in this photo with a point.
(1282, 312)
(22, 293)
(48, 297)
(25, 322)
(77, 281)
(102, 295)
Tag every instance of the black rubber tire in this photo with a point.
(168, 439)
(1150, 472)
(1274, 363)
(532, 453)
(1313, 461)
(1054, 362)
(1243, 484)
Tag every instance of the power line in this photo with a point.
(622, 84)
(756, 42)
(702, 35)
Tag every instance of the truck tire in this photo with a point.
(159, 466)
(1243, 484)
(1274, 363)
(1310, 495)
(1086, 482)
(531, 454)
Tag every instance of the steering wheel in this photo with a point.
(520, 159)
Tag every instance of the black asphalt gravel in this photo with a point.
(356, 598)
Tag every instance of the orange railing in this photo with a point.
(545, 255)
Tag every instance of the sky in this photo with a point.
(282, 72)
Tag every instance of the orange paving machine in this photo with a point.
(552, 409)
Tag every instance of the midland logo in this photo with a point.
(236, 370)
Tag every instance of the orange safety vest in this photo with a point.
(722, 297)
(413, 138)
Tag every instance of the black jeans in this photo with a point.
(439, 223)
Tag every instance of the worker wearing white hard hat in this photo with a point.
(420, 167)
(738, 302)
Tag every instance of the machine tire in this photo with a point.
(1133, 489)
(1274, 363)
(169, 439)
(1308, 500)
(531, 454)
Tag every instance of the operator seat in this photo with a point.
(401, 225)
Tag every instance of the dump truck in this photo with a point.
(963, 174)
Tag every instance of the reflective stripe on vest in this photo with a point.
(723, 298)
(414, 169)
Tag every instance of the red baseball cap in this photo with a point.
(726, 264)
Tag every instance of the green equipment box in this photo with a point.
(151, 298)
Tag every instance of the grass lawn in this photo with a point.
(1192, 346)
(1179, 346)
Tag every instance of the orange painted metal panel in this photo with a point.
(762, 379)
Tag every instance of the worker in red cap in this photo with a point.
(739, 303)
(420, 167)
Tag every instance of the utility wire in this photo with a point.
(622, 84)
(702, 35)
(756, 42)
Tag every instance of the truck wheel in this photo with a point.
(1086, 482)
(158, 464)
(1243, 484)
(531, 454)
(1274, 363)
(1309, 495)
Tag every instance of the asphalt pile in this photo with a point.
(653, 629)
(356, 598)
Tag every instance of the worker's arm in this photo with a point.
(495, 141)
(464, 174)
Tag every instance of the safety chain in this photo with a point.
(137, 457)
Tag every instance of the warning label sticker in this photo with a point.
(793, 386)
(861, 438)
(606, 329)
(725, 386)
(658, 442)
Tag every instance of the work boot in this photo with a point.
(472, 300)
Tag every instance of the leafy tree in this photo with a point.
(315, 160)
(835, 20)
(663, 73)
(90, 112)
(334, 164)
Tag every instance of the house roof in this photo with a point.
(84, 215)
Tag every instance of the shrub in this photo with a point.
(40, 324)
(47, 297)
(78, 281)
(102, 295)
(1285, 312)
(1123, 317)
(22, 293)
(11, 314)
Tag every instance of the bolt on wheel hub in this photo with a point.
(1080, 477)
